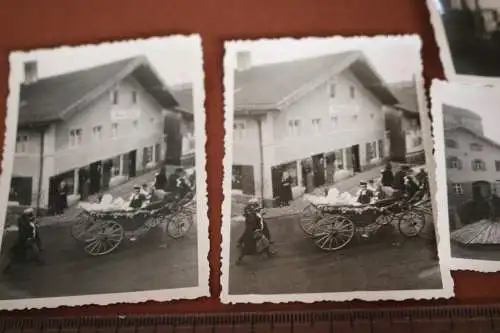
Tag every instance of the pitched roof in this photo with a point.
(267, 86)
(406, 94)
(461, 112)
(59, 97)
(471, 132)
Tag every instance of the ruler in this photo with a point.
(467, 319)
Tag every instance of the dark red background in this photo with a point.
(29, 24)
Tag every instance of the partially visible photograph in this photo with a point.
(103, 182)
(469, 153)
(327, 188)
(468, 35)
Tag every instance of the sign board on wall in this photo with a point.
(125, 114)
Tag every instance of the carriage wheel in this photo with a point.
(81, 227)
(180, 224)
(411, 223)
(308, 219)
(333, 232)
(106, 237)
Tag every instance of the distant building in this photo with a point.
(184, 95)
(472, 160)
(320, 119)
(98, 126)
(404, 125)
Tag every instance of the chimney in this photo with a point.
(243, 60)
(30, 72)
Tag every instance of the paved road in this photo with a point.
(386, 261)
(68, 270)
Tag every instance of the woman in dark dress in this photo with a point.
(387, 175)
(286, 189)
(61, 202)
(161, 179)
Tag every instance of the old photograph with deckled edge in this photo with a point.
(468, 35)
(103, 189)
(465, 119)
(328, 195)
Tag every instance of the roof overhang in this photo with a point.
(253, 112)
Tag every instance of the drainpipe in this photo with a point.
(261, 155)
(40, 171)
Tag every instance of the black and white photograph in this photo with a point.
(103, 184)
(328, 195)
(469, 174)
(468, 36)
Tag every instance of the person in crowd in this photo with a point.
(398, 183)
(255, 229)
(12, 195)
(183, 187)
(138, 199)
(161, 179)
(61, 202)
(286, 189)
(387, 175)
(172, 182)
(28, 240)
(411, 188)
(371, 185)
(423, 181)
(364, 195)
(146, 191)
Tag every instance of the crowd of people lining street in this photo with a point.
(28, 245)
(404, 184)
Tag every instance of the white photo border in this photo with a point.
(439, 91)
(16, 59)
(445, 52)
(231, 48)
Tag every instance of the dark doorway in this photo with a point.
(53, 186)
(132, 157)
(356, 166)
(21, 190)
(243, 179)
(481, 190)
(276, 175)
(106, 173)
(95, 177)
(319, 170)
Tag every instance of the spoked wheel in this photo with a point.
(411, 223)
(180, 224)
(81, 227)
(333, 232)
(308, 219)
(106, 236)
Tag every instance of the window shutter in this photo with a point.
(459, 164)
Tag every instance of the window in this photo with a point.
(134, 97)
(294, 127)
(75, 137)
(239, 131)
(22, 143)
(381, 148)
(497, 165)
(339, 159)
(335, 121)
(332, 90)
(417, 141)
(114, 130)
(476, 147)
(352, 92)
(497, 187)
(116, 163)
(97, 133)
(148, 155)
(457, 188)
(114, 97)
(453, 162)
(478, 165)
(450, 143)
(371, 151)
(316, 125)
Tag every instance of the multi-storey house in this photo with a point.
(183, 93)
(95, 127)
(320, 119)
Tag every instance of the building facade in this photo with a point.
(327, 130)
(183, 93)
(115, 134)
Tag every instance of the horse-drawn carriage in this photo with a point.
(332, 227)
(102, 231)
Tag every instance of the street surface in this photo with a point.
(479, 252)
(384, 261)
(68, 270)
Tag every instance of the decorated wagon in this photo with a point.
(103, 230)
(332, 226)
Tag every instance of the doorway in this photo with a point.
(132, 158)
(356, 165)
(319, 170)
(21, 190)
(95, 177)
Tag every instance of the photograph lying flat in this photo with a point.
(327, 190)
(468, 35)
(468, 144)
(103, 188)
